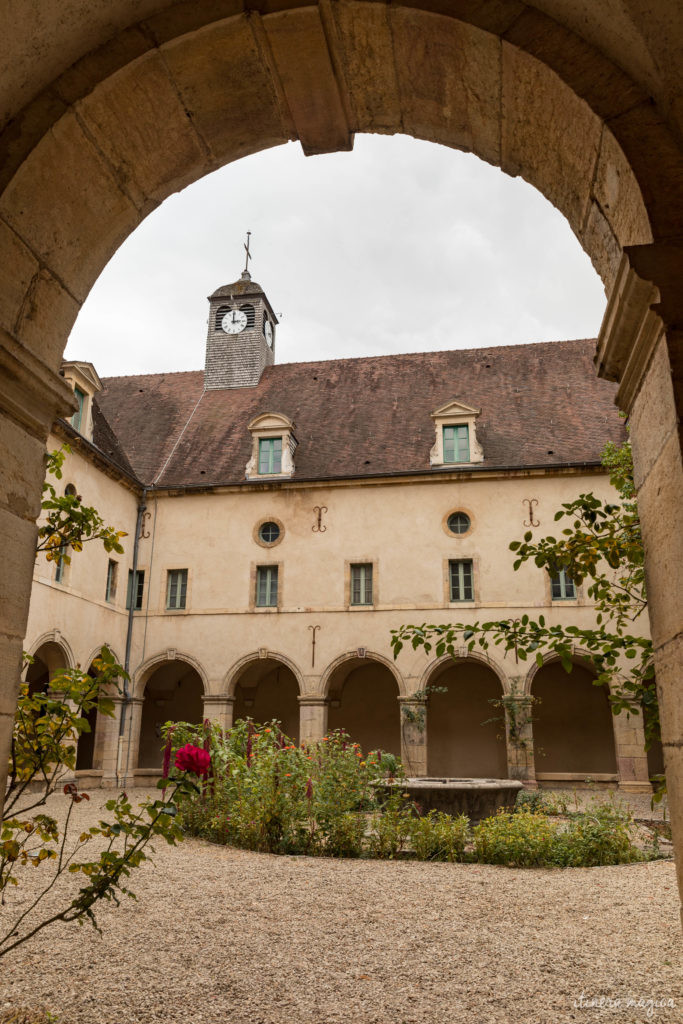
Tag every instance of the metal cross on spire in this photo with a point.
(246, 249)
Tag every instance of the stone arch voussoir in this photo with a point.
(143, 673)
(232, 676)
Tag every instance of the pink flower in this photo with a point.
(193, 759)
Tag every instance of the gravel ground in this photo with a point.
(222, 935)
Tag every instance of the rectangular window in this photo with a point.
(361, 583)
(135, 589)
(78, 415)
(176, 588)
(270, 455)
(461, 576)
(60, 564)
(112, 580)
(456, 444)
(266, 586)
(562, 587)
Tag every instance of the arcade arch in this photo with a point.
(572, 725)
(363, 701)
(267, 689)
(171, 691)
(465, 728)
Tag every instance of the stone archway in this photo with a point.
(573, 734)
(172, 693)
(49, 658)
(363, 701)
(267, 689)
(119, 113)
(462, 739)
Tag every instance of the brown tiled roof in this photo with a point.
(540, 405)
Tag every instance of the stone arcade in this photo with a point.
(276, 505)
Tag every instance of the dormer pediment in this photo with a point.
(271, 421)
(453, 409)
(456, 442)
(85, 381)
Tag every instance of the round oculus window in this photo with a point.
(458, 522)
(269, 532)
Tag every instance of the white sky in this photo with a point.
(399, 246)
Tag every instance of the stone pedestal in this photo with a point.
(413, 736)
(519, 735)
(312, 719)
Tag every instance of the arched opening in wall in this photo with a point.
(89, 750)
(572, 726)
(47, 661)
(363, 701)
(267, 689)
(173, 693)
(462, 741)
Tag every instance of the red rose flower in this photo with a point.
(193, 759)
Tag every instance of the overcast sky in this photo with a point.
(399, 246)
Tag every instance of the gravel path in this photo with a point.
(221, 935)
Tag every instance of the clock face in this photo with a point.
(269, 332)
(234, 321)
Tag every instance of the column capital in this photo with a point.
(217, 698)
(411, 699)
(312, 700)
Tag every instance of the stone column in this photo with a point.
(519, 736)
(128, 745)
(110, 744)
(413, 735)
(219, 709)
(629, 746)
(641, 346)
(312, 719)
(32, 396)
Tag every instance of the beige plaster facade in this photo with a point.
(107, 109)
(223, 657)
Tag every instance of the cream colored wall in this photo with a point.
(395, 525)
(76, 608)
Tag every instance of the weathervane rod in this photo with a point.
(246, 248)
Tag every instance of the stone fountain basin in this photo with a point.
(477, 798)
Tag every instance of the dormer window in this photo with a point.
(85, 383)
(77, 417)
(456, 435)
(273, 447)
(456, 443)
(269, 455)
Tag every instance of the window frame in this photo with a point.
(271, 461)
(462, 583)
(112, 581)
(455, 443)
(362, 574)
(269, 570)
(564, 582)
(61, 564)
(176, 579)
(139, 584)
(77, 418)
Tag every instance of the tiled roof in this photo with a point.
(540, 405)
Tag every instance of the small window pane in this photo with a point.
(458, 522)
(269, 532)
(361, 583)
(60, 565)
(456, 443)
(270, 455)
(78, 415)
(266, 586)
(562, 587)
(112, 579)
(135, 588)
(176, 593)
(461, 580)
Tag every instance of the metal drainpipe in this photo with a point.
(142, 507)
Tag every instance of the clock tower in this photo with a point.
(240, 341)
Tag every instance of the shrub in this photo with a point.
(345, 835)
(440, 836)
(517, 840)
(391, 827)
(599, 835)
(531, 800)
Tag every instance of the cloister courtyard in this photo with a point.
(218, 934)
